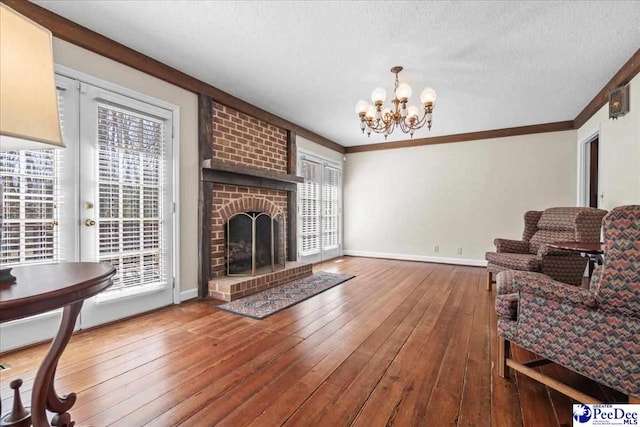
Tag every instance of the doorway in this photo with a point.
(107, 197)
(588, 180)
(319, 209)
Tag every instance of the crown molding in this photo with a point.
(72, 32)
(461, 137)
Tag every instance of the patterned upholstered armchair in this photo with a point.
(532, 254)
(594, 332)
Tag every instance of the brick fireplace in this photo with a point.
(248, 168)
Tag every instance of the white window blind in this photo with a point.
(131, 186)
(31, 204)
(310, 206)
(331, 207)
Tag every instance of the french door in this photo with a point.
(319, 209)
(125, 202)
(106, 197)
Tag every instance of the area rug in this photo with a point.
(270, 301)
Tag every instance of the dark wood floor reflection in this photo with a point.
(403, 343)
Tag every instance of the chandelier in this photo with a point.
(375, 118)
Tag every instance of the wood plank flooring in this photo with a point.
(403, 343)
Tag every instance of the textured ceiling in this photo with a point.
(493, 64)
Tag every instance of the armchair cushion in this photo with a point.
(559, 219)
(549, 236)
(514, 261)
(511, 246)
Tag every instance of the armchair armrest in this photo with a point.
(543, 286)
(511, 246)
(544, 250)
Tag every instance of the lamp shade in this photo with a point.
(28, 99)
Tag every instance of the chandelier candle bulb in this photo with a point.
(403, 92)
(371, 113)
(413, 111)
(428, 96)
(378, 96)
(362, 106)
(375, 118)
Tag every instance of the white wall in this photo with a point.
(90, 63)
(403, 202)
(619, 152)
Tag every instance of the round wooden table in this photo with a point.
(590, 248)
(42, 288)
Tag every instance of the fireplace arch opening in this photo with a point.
(254, 244)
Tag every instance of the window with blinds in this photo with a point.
(30, 200)
(331, 207)
(310, 207)
(130, 196)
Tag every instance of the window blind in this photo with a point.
(131, 182)
(31, 204)
(310, 207)
(331, 207)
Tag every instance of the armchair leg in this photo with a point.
(489, 280)
(503, 353)
(634, 400)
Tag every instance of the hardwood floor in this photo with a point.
(403, 343)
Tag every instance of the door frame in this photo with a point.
(584, 165)
(324, 161)
(175, 178)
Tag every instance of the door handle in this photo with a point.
(89, 223)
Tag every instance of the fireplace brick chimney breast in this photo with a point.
(244, 140)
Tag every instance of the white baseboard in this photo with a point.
(421, 258)
(190, 294)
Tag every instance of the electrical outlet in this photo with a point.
(459, 251)
(436, 249)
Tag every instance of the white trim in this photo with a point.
(121, 294)
(421, 258)
(189, 294)
(113, 87)
(176, 203)
(175, 118)
(45, 315)
(302, 152)
(582, 196)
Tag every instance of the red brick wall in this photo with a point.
(241, 139)
(245, 140)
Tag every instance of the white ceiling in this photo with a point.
(493, 64)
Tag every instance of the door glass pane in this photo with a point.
(130, 187)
